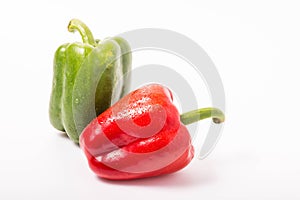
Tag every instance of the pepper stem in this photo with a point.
(85, 32)
(203, 113)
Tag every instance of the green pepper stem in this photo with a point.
(203, 113)
(85, 32)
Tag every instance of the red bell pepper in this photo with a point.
(142, 135)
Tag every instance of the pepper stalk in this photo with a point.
(86, 34)
(196, 115)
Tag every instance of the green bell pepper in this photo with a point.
(87, 78)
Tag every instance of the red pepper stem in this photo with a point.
(203, 113)
(85, 32)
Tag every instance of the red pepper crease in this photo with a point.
(142, 135)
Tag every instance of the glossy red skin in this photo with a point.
(139, 136)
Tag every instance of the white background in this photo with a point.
(255, 46)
